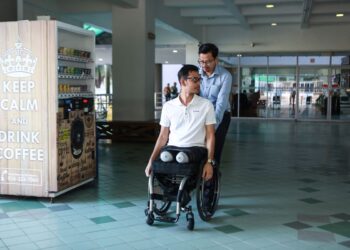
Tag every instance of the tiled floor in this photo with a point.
(285, 185)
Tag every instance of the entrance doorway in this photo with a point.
(292, 87)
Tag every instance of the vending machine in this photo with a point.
(47, 117)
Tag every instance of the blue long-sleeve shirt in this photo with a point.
(217, 88)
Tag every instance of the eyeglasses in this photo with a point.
(194, 79)
(207, 63)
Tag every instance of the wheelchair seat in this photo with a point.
(160, 167)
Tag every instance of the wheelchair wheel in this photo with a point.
(207, 196)
(190, 221)
(160, 207)
(150, 219)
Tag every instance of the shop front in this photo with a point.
(292, 87)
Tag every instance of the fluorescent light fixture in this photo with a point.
(166, 62)
(269, 6)
(339, 15)
(175, 51)
(100, 59)
(93, 28)
(273, 24)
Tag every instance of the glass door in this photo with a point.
(253, 87)
(313, 93)
(281, 89)
(313, 87)
(292, 87)
(342, 83)
(253, 97)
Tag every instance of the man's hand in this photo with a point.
(207, 171)
(148, 169)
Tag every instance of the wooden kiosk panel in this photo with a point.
(35, 137)
(23, 108)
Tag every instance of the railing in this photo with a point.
(140, 131)
(158, 100)
(103, 107)
(128, 131)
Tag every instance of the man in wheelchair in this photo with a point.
(183, 154)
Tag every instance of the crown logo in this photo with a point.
(18, 61)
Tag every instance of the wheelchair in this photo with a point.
(176, 182)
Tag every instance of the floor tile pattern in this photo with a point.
(285, 185)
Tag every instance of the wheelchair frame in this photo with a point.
(178, 188)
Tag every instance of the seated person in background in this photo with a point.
(187, 121)
(244, 100)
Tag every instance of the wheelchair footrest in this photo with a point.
(167, 219)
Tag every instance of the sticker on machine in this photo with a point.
(21, 177)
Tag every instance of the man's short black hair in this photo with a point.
(208, 48)
(185, 70)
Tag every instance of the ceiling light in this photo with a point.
(175, 50)
(339, 15)
(269, 6)
(273, 24)
(166, 62)
(100, 59)
(97, 31)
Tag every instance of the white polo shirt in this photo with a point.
(187, 124)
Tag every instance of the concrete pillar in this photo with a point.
(8, 10)
(192, 54)
(158, 78)
(133, 62)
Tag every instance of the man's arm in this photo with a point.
(161, 141)
(223, 97)
(210, 144)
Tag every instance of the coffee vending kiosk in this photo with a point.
(47, 117)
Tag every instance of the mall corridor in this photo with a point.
(285, 185)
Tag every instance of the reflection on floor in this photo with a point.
(285, 185)
(306, 112)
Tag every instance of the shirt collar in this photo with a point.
(179, 103)
(216, 72)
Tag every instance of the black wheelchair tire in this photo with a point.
(190, 224)
(150, 219)
(207, 213)
(190, 221)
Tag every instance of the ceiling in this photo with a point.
(234, 25)
(244, 17)
(251, 13)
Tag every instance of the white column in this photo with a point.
(192, 54)
(19, 9)
(133, 62)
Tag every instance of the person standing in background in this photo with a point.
(216, 87)
(166, 92)
(293, 93)
(174, 91)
